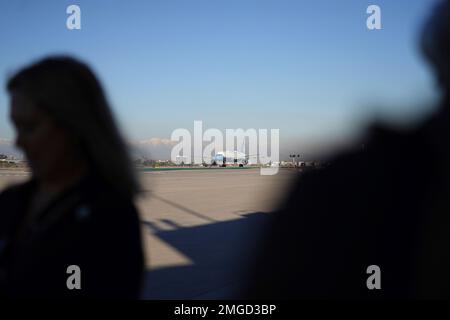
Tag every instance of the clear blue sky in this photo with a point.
(307, 67)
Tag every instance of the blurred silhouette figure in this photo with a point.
(387, 204)
(77, 209)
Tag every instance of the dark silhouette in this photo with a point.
(386, 205)
(217, 252)
(77, 209)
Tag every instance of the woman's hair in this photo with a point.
(70, 93)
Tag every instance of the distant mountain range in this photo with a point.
(154, 148)
(160, 149)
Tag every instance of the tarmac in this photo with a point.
(201, 228)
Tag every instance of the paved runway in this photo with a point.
(199, 227)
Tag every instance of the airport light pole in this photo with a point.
(292, 156)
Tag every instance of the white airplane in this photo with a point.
(230, 158)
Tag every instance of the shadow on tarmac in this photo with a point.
(221, 251)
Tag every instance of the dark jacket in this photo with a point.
(90, 226)
(386, 205)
